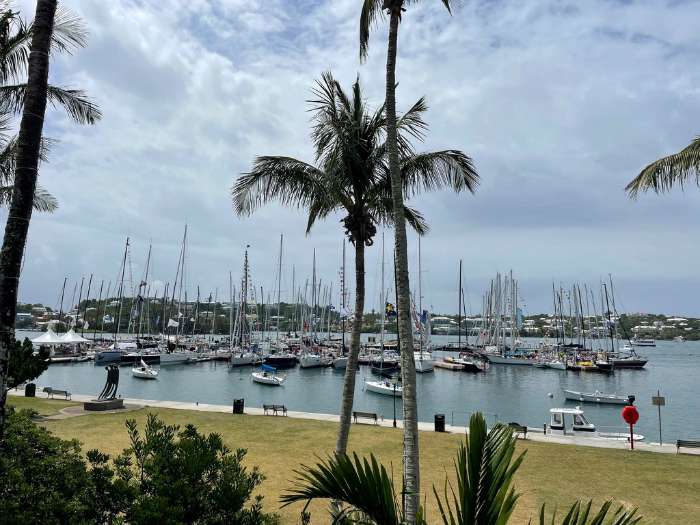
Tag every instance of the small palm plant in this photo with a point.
(483, 493)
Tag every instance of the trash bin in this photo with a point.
(238, 405)
(439, 422)
(30, 390)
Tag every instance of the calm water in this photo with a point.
(504, 393)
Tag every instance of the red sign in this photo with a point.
(630, 414)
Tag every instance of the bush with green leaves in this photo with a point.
(24, 365)
(166, 476)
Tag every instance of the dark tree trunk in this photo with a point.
(411, 467)
(351, 367)
(20, 213)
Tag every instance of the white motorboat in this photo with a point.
(143, 371)
(340, 363)
(581, 427)
(509, 360)
(388, 388)
(424, 361)
(642, 342)
(177, 357)
(267, 375)
(596, 397)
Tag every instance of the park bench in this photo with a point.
(518, 429)
(275, 409)
(54, 391)
(365, 415)
(686, 443)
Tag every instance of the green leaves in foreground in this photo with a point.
(581, 515)
(363, 485)
(484, 467)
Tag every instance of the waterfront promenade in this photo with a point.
(534, 434)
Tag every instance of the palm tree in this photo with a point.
(352, 176)
(25, 50)
(484, 469)
(371, 10)
(665, 173)
(15, 39)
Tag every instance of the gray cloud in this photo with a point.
(560, 105)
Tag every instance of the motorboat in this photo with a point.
(387, 388)
(424, 361)
(642, 342)
(267, 375)
(596, 397)
(580, 426)
(469, 363)
(143, 371)
(555, 364)
(176, 357)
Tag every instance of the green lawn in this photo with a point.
(665, 487)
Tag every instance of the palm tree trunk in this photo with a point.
(20, 213)
(411, 468)
(351, 367)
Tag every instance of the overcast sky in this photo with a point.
(559, 104)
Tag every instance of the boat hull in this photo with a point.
(595, 397)
(380, 387)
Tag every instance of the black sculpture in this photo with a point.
(110, 389)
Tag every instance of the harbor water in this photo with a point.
(504, 393)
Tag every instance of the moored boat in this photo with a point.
(596, 397)
(387, 388)
(267, 375)
(143, 371)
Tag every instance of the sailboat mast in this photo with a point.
(382, 300)
(63, 292)
(459, 308)
(342, 298)
(279, 291)
(121, 291)
(87, 300)
(99, 300)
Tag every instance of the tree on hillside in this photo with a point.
(351, 175)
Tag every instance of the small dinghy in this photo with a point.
(267, 375)
(388, 388)
(144, 371)
(596, 397)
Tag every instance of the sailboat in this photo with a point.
(242, 353)
(267, 375)
(385, 387)
(341, 362)
(423, 358)
(310, 355)
(387, 363)
(144, 371)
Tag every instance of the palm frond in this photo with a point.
(436, 170)
(15, 38)
(580, 514)
(412, 122)
(382, 209)
(675, 170)
(283, 179)
(8, 156)
(484, 470)
(43, 200)
(362, 484)
(78, 105)
(371, 11)
(69, 31)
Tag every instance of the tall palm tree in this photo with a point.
(15, 39)
(351, 175)
(24, 51)
(483, 493)
(675, 170)
(371, 11)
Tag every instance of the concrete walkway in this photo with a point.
(532, 435)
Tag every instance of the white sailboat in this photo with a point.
(143, 371)
(241, 353)
(422, 358)
(267, 375)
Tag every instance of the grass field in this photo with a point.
(665, 487)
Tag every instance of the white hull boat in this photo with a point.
(387, 388)
(424, 362)
(581, 427)
(244, 359)
(503, 360)
(555, 364)
(143, 371)
(314, 361)
(268, 378)
(340, 363)
(595, 397)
